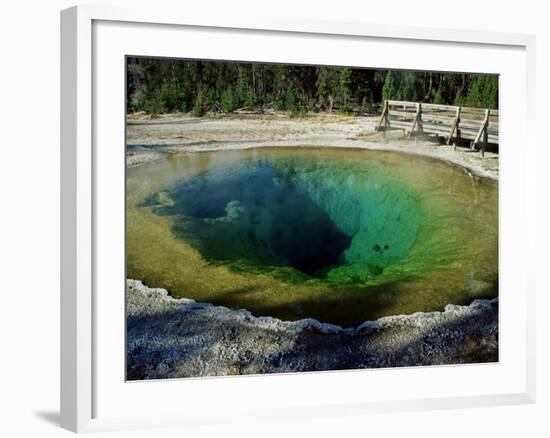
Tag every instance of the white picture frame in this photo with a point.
(85, 175)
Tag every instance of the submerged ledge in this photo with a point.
(174, 338)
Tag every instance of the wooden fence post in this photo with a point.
(453, 123)
(417, 121)
(420, 128)
(455, 128)
(484, 130)
(383, 118)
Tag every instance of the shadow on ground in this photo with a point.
(51, 417)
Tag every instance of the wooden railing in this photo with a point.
(479, 126)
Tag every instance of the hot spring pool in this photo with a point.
(338, 235)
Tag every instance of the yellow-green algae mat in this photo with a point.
(339, 235)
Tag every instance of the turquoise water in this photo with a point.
(335, 234)
(339, 224)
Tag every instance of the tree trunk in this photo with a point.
(430, 86)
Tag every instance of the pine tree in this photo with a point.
(344, 90)
(250, 98)
(490, 92)
(278, 84)
(327, 84)
(240, 89)
(459, 99)
(387, 89)
(437, 97)
(228, 101)
(475, 92)
(159, 86)
(199, 107)
(290, 98)
(410, 87)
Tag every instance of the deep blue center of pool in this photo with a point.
(321, 220)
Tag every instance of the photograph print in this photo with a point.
(285, 218)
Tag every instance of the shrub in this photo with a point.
(279, 102)
(299, 110)
(345, 109)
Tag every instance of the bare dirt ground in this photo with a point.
(149, 140)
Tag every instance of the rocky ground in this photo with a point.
(171, 338)
(151, 139)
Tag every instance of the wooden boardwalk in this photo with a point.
(477, 126)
